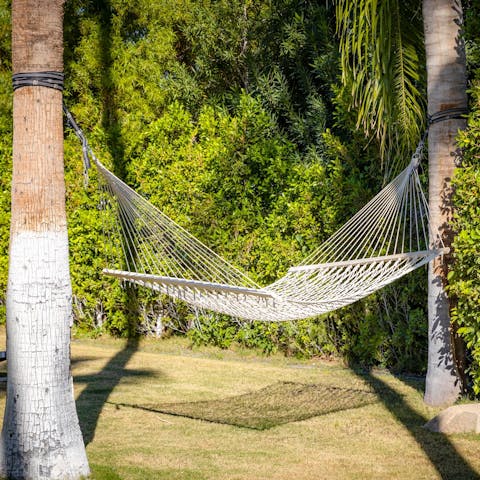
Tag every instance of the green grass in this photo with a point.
(159, 410)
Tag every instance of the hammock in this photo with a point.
(384, 241)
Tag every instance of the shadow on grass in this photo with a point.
(416, 382)
(443, 455)
(99, 387)
(276, 404)
(78, 360)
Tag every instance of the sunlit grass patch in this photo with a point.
(105, 472)
(173, 387)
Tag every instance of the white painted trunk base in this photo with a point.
(40, 414)
(442, 385)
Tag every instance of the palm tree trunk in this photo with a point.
(41, 436)
(446, 86)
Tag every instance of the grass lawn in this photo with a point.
(159, 410)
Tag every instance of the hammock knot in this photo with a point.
(418, 155)
(86, 150)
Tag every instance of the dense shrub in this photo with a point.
(464, 279)
(227, 116)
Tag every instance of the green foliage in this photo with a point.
(472, 36)
(393, 331)
(464, 278)
(161, 92)
(5, 147)
(99, 302)
(226, 115)
(217, 330)
(243, 188)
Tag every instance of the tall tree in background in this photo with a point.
(382, 68)
(446, 86)
(41, 437)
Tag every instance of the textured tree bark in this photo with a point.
(41, 437)
(446, 85)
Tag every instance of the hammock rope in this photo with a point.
(385, 240)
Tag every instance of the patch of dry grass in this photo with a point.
(304, 420)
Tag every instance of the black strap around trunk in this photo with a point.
(450, 114)
(38, 79)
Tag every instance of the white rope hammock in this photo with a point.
(385, 240)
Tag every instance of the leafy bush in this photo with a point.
(464, 278)
(5, 146)
(226, 115)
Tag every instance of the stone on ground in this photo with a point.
(457, 419)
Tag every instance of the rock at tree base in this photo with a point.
(457, 419)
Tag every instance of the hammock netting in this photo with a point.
(385, 240)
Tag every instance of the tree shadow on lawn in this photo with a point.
(100, 385)
(442, 453)
(78, 360)
(276, 404)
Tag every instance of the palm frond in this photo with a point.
(382, 68)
